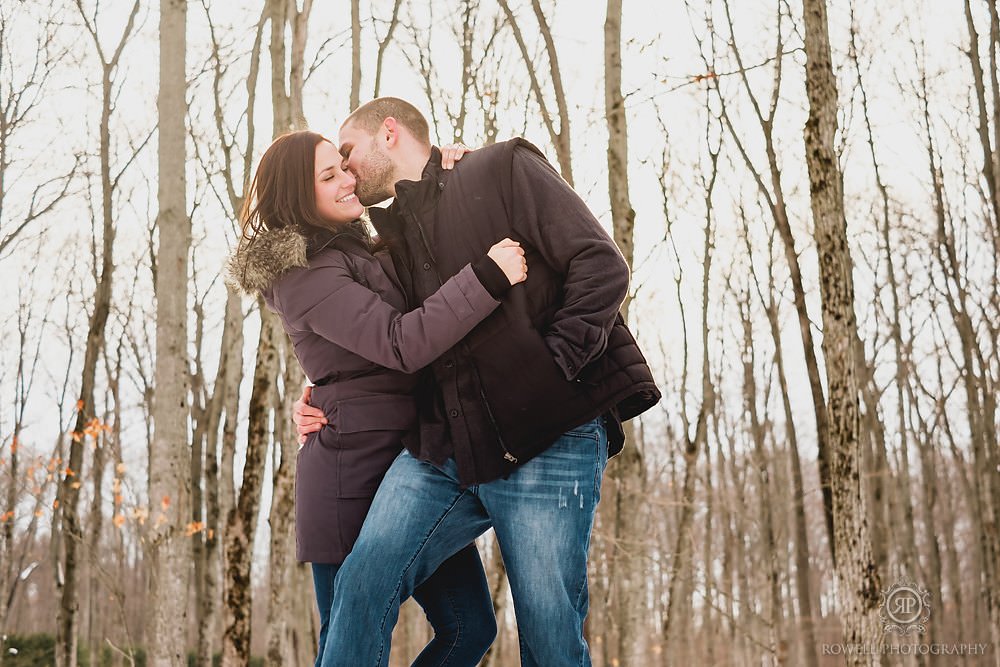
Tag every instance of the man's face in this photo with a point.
(373, 169)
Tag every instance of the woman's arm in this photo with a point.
(328, 301)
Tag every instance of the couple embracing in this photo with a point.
(470, 370)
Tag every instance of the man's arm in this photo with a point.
(549, 214)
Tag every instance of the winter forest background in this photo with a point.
(749, 157)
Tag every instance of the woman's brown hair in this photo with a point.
(283, 195)
(283, 192)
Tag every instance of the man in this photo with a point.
(517, 421)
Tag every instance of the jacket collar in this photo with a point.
(258, 263)
(415, 196)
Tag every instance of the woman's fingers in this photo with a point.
(452, 153)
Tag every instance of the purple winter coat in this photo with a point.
(343, 310)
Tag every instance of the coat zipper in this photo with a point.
(479, 380)
(489, 412)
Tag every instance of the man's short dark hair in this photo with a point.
(371, 115)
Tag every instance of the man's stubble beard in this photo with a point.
(375, 179)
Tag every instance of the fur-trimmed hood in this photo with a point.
(257, 263)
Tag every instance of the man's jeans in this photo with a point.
(456, 600)
(542, 515)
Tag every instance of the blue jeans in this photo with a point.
(542, 515)
(455, 599)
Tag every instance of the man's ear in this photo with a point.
(390, 131)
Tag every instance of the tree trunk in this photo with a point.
(803, 588)
(560, 137)
(96, 524)
(355, 54)
(858, 583)
(241, 524)
(983, 492)
(779, 213)
(69, 491)
(283, 627)
(281, 622)
(624, 476)
(383, 44)
(202, 407)
(765, 517)
(168, 551)
(990, 175)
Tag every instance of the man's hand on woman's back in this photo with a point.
(307, 418)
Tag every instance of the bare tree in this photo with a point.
(241, 524)
(242, 519)
(769, 183)
(560, 137)
(695, 432)
(981, 397)
(22, 91)
(13, 571)
(356, 54)
(286, 640)
(285, 644)
(383, 45)
(169, 465)
(69, 493)
(803, 586)
(624, 481)
(858, 582)
(219, 406)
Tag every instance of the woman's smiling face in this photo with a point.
(335, 198)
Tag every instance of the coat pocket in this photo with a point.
(380, 412)
(370, 433)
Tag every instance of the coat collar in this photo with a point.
(257, 263)
(415, 196)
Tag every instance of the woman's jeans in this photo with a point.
(456, 600)
(542, 515)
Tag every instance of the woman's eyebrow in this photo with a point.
(332, 166)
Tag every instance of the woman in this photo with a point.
(337, 296)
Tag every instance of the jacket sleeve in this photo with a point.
(550, 216)
(328, 301)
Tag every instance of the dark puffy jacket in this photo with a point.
(342, 309)
(556, 353)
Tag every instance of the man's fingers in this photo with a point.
(308, 419)
(306, 429)
(300, 410)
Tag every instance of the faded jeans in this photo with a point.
(542, 514)
(455, 599)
